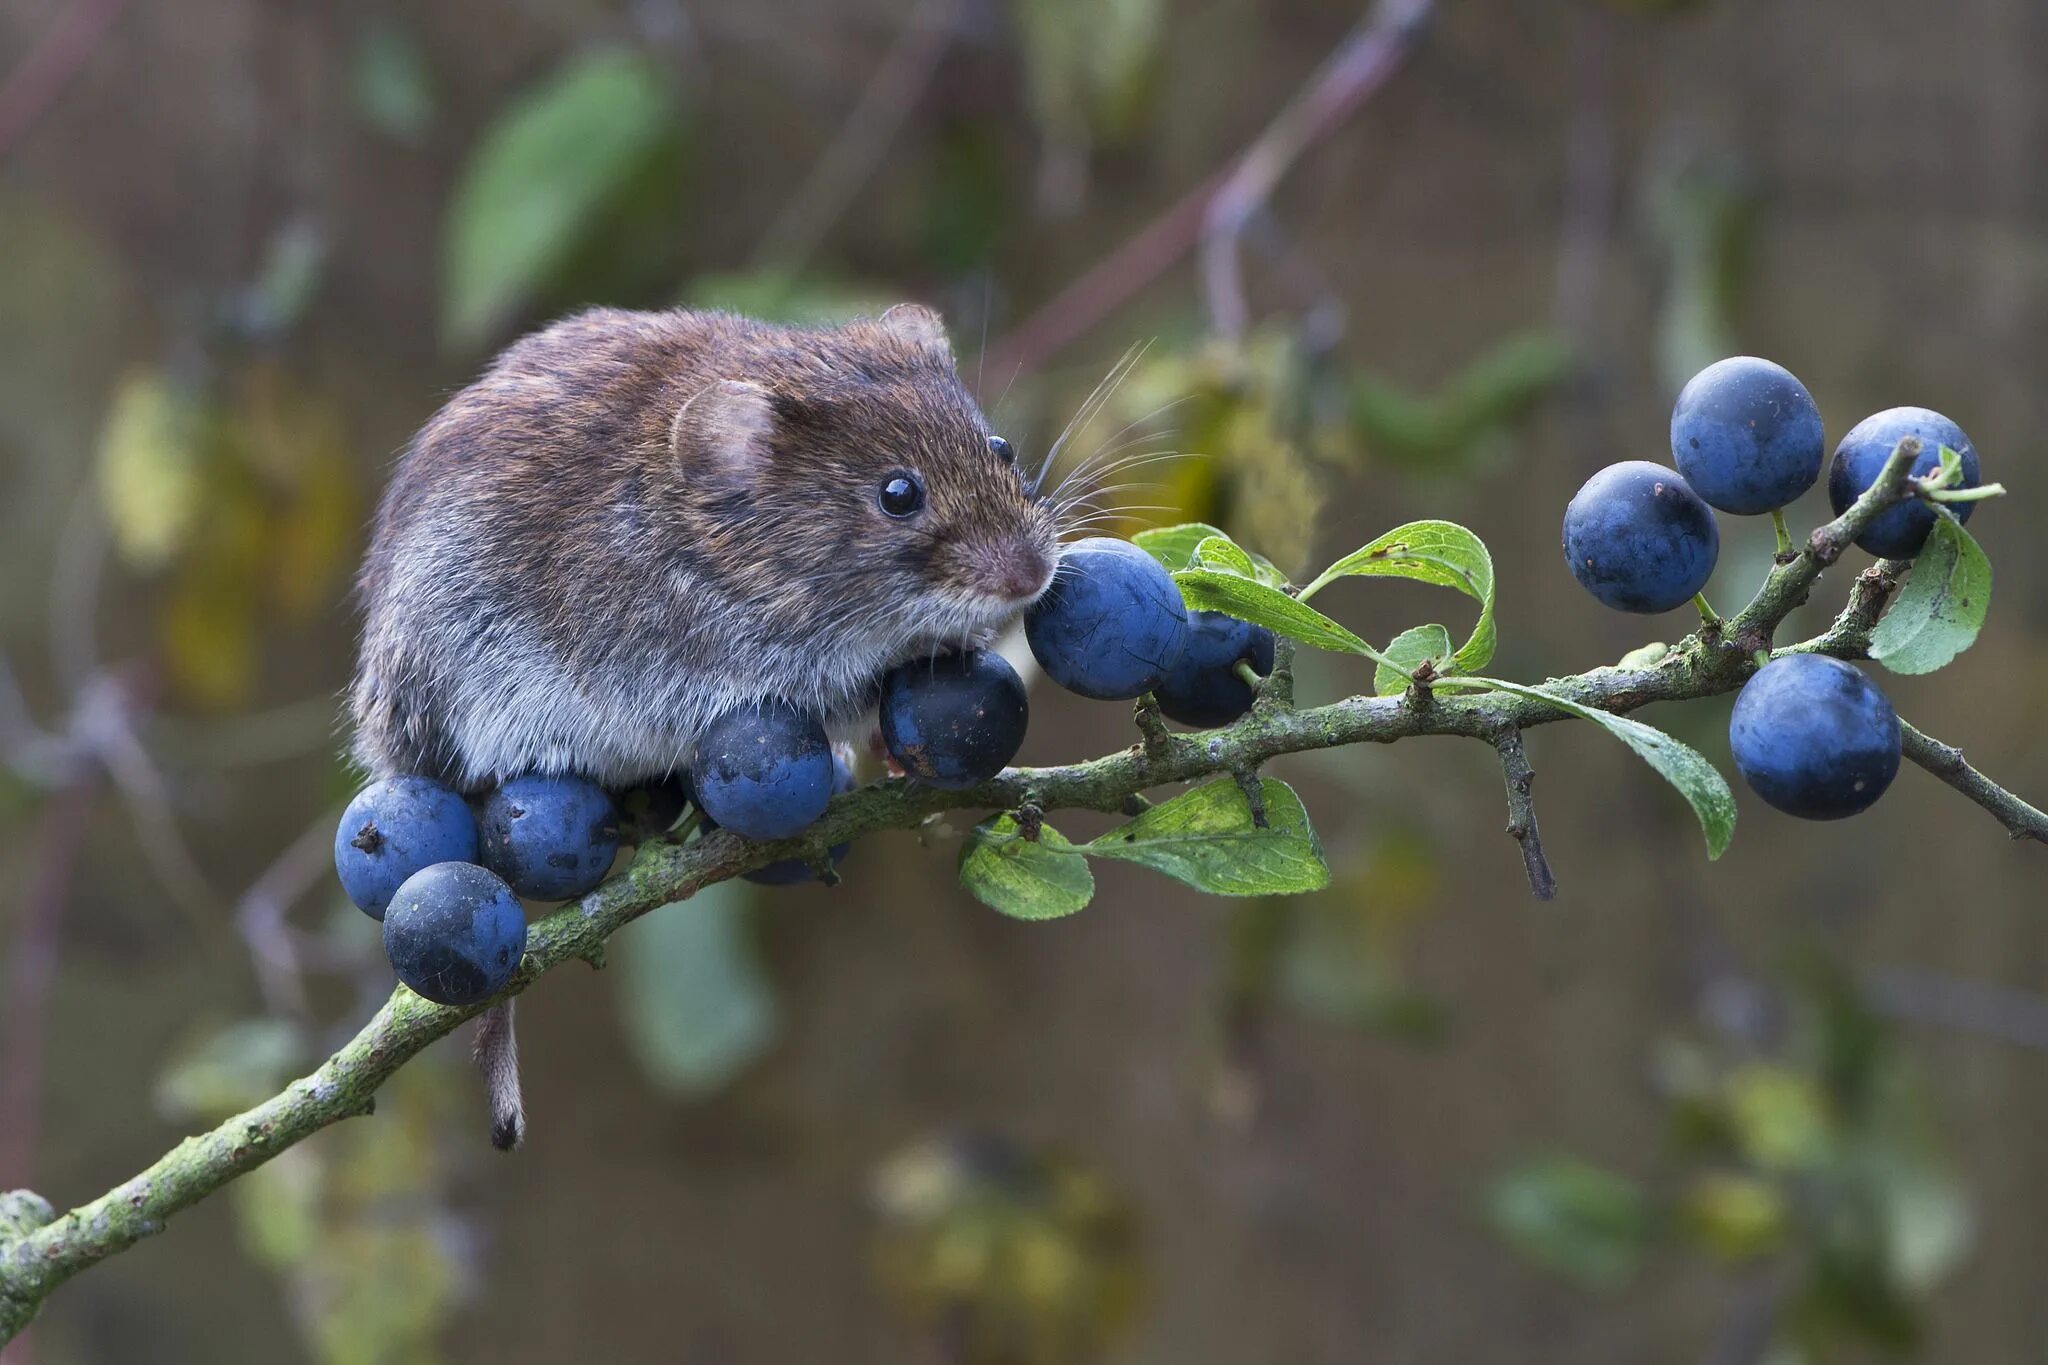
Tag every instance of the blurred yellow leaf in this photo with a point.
(1735, 1215)
(153, 458)
(208, 626)
(1779, 1116)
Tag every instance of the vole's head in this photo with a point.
(847, 470)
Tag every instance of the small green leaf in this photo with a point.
(1942, 606)
(696, 1007)
(1697, 780)
(1572, 1217)
(1174, 546)
(1042, 878)
(539, 180)
(1208, 839)
(1212, 590)
(1951, 467)
(1226, 556)
(1438, 552)
(1178, 547)
(1413, 646)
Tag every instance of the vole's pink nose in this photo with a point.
(1020, 572)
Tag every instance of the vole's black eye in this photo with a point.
(1005, 452)
(902, 494)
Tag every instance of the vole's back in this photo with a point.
(550, 588)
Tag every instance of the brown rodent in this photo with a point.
(635, 522)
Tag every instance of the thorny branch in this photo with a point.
(40, 1249)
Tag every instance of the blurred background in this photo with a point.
(1385, 263)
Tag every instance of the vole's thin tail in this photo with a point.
(497, 1057)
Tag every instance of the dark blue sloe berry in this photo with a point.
(954, 721)
(649, 811)
(394, 828)
(1639, 539)
(1898, 532)
(1814, 737)
(1203, 689)
(1112, 623)
(765, 772)
(454, 933)
(551, 838)
(1747, 436)
(795, 871)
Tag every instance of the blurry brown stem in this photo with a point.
(40, 77)
(273, 948)
(1361, 64)
(862, 139)
(32, 971)
(1360, 67)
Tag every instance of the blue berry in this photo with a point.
(393, 829)
(1639, 539)
(454, 933)
(1747, 435)
(649, 811)
(794, 871)
(1203, 689)
(765, 772)
(1898, 532)
(955, 721)
(550, 838)
(1112, 624)
(1814, 737)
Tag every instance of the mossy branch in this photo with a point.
(39, 1249)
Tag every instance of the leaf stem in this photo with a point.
(1708, 616)
(1989, 490)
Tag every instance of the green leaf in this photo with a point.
(1697, 780)
(1437, 552)
(1226, 556)
(1572, 1217)
(1042, 878)
(541, 178)
(1212, 590)
(1411, 647)
(394, 90)
(696, 1007)
(232, 1069)
(1941, 609)
(1178, 547)
(1208, 839)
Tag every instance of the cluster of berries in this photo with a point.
(1811, 735)
(446, 875)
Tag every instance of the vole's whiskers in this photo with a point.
(1087, 412)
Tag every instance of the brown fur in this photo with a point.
(634, 522)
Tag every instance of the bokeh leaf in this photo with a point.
(696, 1006)
(540, 178)
(1442, 553)
(394, 90)
(230, 1069)
(1941, 609)
(1042, 878)
(1569, 1216)
(153, 468)
(1209, 839)
(1697, 780)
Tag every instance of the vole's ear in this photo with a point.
(921, 326)
(723, 426)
